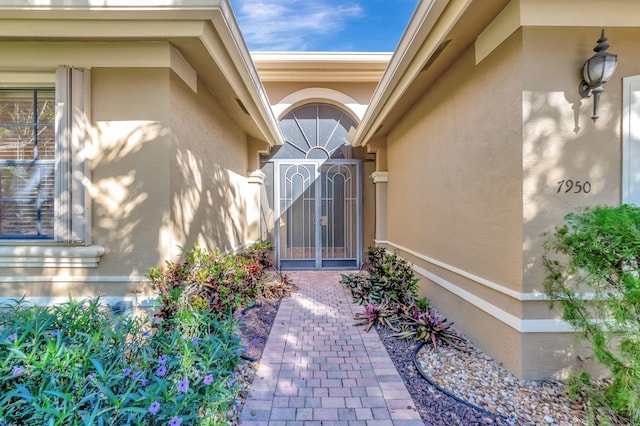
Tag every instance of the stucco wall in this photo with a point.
(454, 191)
(474, 173)
(455, 170)
(561, 142)
(130, 160)
(360, 92)
(168, 169)
(209, 187)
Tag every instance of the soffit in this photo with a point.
(461, 35)
(441, 30)
(204, 32)
(436, 36)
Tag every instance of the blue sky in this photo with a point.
(323, 25)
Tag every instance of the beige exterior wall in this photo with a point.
(208, 173)
(454, 191)
(129, 168)
(360, 92)
(561, 141)
(473, 183)
(129, 160)
(168, 169)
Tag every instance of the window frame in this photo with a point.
(34, 124)
(630, 141)
(71, 246)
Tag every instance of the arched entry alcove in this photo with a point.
(315, 190)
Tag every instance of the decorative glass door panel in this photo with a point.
(318, 212)
(340, 210)
(297, 239)
(316, 195)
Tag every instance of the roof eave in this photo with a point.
(426, 30)
(224, 42)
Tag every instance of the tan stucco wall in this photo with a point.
(455, 170)
(208, 170)
(454, 191)
(561, 141)
(168, 169)
(473, 183)
(129, 177)
(129, 182)
(360, 92)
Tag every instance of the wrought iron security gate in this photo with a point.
(318, 211)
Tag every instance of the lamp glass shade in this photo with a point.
(599, 68)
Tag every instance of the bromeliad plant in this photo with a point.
(382, 314)
(75, 364)
(389, 292)
(427, 325)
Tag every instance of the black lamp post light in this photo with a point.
(596, 72)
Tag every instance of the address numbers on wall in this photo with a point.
(570, 186)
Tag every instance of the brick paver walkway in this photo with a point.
(319, 369)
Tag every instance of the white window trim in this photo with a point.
(630, 154)
(71, 246)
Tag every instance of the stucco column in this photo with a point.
(255, 228)
(380, 180)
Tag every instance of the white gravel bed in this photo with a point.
(479, 380)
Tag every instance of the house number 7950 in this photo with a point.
(573, 186)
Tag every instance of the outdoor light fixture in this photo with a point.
(596, 72)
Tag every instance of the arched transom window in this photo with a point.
(315, 131)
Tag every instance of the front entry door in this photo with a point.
(318, 214)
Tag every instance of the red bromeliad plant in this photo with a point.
(375, 315)
(427, 325)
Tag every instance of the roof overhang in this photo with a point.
(320, 66)
(204, 38)
(440, 30)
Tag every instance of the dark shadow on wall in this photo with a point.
(208, 204)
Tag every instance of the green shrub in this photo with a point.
(600, 253)
(392, 277)
(75, 364)
(389, 291)
(223, 283)
(388, 277)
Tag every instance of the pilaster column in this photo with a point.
(380, 180)
(256, 230)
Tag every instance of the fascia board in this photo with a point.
(210, 22)
(429, 25)
(356, 61)
(553, 13)
(111, 7)
(321, 67)
(28, 55)
(92, 29)
(234, 60)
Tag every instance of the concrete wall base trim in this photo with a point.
(521, 296)
(519, 324)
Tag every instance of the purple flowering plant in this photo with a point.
(138, 373)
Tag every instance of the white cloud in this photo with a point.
(293, 25)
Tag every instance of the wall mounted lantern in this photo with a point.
(596, 72)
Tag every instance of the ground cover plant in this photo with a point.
(389, 291)
(597, 250)
(79, 364)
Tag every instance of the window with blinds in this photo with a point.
(27, 163)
